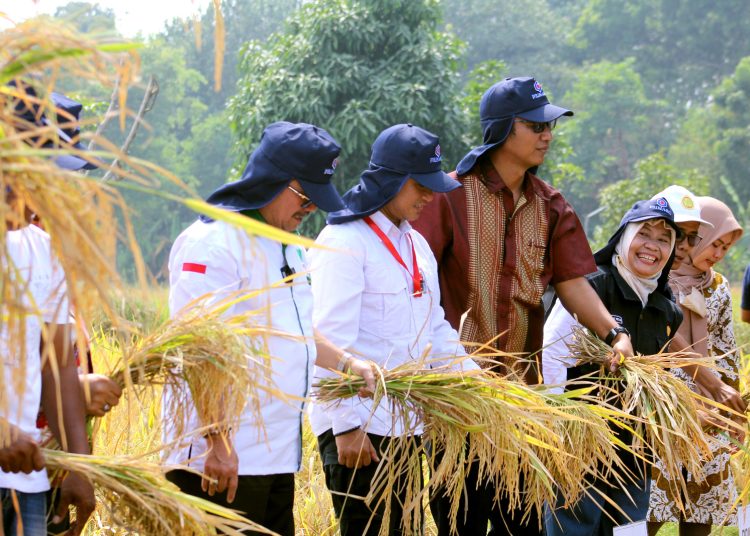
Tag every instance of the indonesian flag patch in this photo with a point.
(194, 267)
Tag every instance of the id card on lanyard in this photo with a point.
(416, 275)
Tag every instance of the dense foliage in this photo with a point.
(660, 89)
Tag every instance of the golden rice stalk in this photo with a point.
(525, 441)
(141, 500)
(663, 409)
(209, 362)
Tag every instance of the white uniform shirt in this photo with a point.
(34, 268)
(558, 331)
(216, 257)
(364, 302)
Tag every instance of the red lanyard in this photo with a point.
(416, 276)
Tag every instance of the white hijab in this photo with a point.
(642, 286)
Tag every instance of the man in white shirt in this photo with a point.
(286, 178)
(376, 293)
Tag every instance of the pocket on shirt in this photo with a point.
(384, 301)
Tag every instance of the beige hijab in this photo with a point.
(687, 282)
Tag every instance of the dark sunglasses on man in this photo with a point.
(538, 128)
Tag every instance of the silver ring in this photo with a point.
(106, 407)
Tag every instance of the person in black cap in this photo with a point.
(499, 242)
(376, 293)
(287, 176)
(632, 281)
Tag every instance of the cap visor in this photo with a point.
(686, 219)
(543, 114)
(324, 196)
(437, 182)
(73, 163)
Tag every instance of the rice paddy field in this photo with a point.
(133, 427)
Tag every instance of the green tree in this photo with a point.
(682, 48)
(526, 36)
(244, 20)
(353, 67)
(730, 113)
(615, 125)
(87, 18)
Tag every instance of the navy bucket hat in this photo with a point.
(67, 123)
(651, 209)
(287, 151)
(400, 152)
(513, 97)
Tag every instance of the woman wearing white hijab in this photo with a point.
(632, 283)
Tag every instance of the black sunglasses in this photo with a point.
(306, 201)
(538, 128)
(693, 239)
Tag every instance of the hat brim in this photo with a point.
(671, 223)
(73, 163)
(468, 161)
(325, 196)
(437, 181)
(544, 113)
(700, 220)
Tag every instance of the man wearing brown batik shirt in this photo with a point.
(499, 241)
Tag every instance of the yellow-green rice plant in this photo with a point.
(209, 361)
(523, 439)
(139, 499)
(664, 411)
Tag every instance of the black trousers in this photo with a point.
(355, 517)
(267, 499)
(480, 511)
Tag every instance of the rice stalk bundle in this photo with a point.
(139, 499)
(524, 440)
(662, 408)
(208, 361)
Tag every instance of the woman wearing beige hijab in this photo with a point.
(706, 301)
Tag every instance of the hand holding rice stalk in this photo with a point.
(140, 499)
(206, 359)
(663, 409)
(516, 433)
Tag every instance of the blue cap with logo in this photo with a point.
(400, 152)
(513, 97)
(286, 151)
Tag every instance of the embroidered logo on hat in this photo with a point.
(435, 159)
(539, 91)
(687, 202)
(662, 205)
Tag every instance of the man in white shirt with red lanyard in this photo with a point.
(287, 176)
(375, 290)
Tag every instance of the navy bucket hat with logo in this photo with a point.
(651, 209)
(28, 108)
(400, 152)
(287, 151)
(513, 97)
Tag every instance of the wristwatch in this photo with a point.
(614, 332)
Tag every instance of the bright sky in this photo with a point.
(133, 16)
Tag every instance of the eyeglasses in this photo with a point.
(538, 128)
(693, 239)
(306, 201)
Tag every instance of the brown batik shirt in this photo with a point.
(496, 258)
